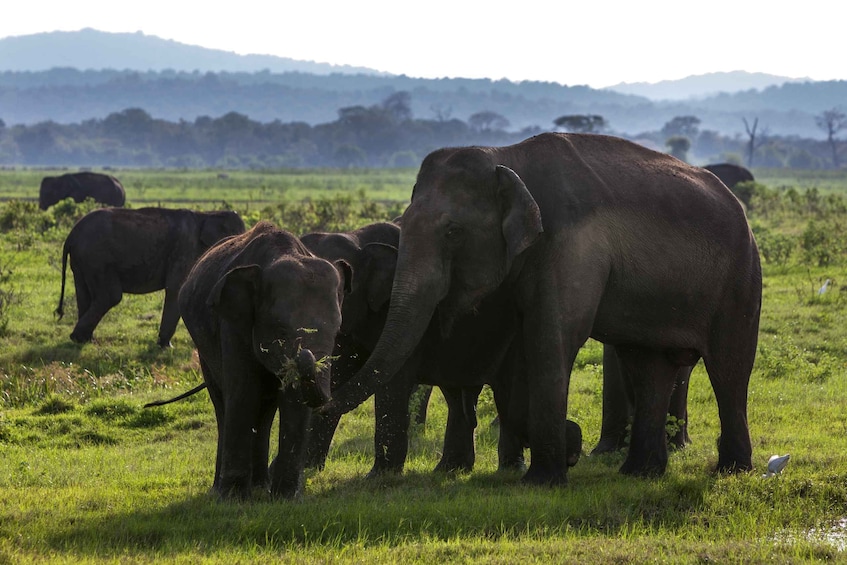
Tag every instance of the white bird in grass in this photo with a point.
(825, 286)
(776, 464)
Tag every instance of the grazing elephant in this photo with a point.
(116, 250)
(105, 189)
(588, 236)
(730, 174)
(257, 305)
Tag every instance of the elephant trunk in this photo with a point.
(411, 308)
(314, 380)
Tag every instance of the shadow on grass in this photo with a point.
(389, 510)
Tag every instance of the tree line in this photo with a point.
(386, 134)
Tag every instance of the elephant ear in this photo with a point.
(380, 264)
(345, 273)
(234, 295)
(521, 216)
(211, 231)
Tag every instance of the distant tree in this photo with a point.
(582, 123)
(132, 125)
(399, 106)
(349, 155)
(2, 124)
(685, 126)
(753, 144)
(832, 121)
(487, 121)
(678, 145)
(442, 113)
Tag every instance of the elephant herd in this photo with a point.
(505, 262)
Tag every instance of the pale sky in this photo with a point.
(593, 42)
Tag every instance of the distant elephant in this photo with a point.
(587, 236)
(105, 189)
(257, 305)
(117, 250)
(730, 174)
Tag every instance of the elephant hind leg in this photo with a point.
(106, 293)
(730, 378)
(652, 376)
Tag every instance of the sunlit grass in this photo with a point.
(88, 475)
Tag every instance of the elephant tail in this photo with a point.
(186, 394)
(60, 310)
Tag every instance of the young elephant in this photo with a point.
(257, 305)
(115, 250)
(105, 189)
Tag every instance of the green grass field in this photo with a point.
(87, 475)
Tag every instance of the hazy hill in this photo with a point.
(173, 81)
(702, 86)
(92, 49)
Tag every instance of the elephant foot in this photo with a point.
(545, 476)
(164, 344)
(382, 470)
(573, 434)
(679, 440)
(454, 465)
(227, 490)
(80, 337)
(650, 468)
(609, 444)
(516, 464)
(733, 467)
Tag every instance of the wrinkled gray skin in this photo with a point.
(253, 304)
(589, 236)
(115, 251)
(618, 397)
(105, 189)
(372, 252)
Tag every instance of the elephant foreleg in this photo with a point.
(294, 420)
(320, 439)
(459, 451)
(391, 426)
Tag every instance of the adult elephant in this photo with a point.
(589, 236)
(256, 305)
(117, 250)
(730, 174)
(372, 253)
(105, 189)
(618, 397)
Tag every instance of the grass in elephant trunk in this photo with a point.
(289, 374)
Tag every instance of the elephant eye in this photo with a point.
(454, 232)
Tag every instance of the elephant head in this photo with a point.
(215, 226)
(291, 325)
(469, 222)
(52, 190)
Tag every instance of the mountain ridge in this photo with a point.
(89, 48)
